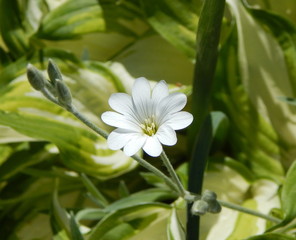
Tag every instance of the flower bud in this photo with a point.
(53, 71)
(214, 207)
(63, 92)
(199, 207)
(211, 198)
(35, 77)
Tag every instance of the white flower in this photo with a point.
(146, 119)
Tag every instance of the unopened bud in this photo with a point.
(53, 71)
(64, 93)
(214, 207)
(211, 198)
(199, 207)
(35, 77)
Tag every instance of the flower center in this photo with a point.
(149, 127)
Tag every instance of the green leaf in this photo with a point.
(75, 232)
(284, 33)
(34, 11)
(90, 214)
(72, 19)
(133, 221)
(154, 180)
(258, 52)
(19, 161)
(175, 230)
(271, 236)
(220, 125)
(18, 67)
(77, 148)
(240, 168)
(94, 191)
(11, 28)
(175, 21)
(4, 57)
(5, 152)
(141, 197)
(288, 194)
(253, 139)
(60, 221)
(124, 18)
(288, 100)
(123, 189)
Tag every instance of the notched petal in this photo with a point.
(173, 103)
(121, 102)
(160, 91)
(118, 138)
(141, 90)
(166, 135)
(118, 120)
(179, 120)
(134, 145)
(152, 146)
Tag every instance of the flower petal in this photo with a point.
(121, 102)
(152, 146)
(118, 138)
(166, 135)
(141, 90)
(160, 91)
(135, 144)
(141, 97)
(171, 104)
(118, 120)
(178, 120)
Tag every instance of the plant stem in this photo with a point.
(49, 96)
(88, 123)
(158, 173)
(249, 211)
(173, 174)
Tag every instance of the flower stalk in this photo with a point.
(173, 174)
(249, 211)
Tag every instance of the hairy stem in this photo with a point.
(249, 211)
(173, 174)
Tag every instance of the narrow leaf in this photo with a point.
(72, 19)
(75, 232)
(288, 194)
(94, 190)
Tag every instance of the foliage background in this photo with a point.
(101, 46)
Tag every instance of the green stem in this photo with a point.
(83, 119)
(94, 190)
(249, 211)
(173, 174)
(49, 96)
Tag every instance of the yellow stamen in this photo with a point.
(149, 127)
